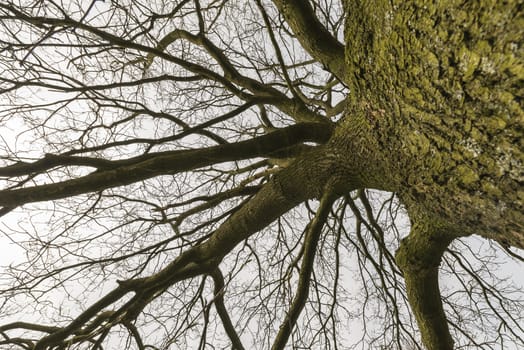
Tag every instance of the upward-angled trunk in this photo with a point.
(434, 114)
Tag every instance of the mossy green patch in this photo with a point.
(466, 175)
(468, 62)
(490, 189)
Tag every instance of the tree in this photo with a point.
(171, 157)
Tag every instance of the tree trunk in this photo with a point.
(438, 88)
(435, 114)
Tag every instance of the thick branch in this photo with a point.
(313, 36)
(305, 178)
(125, 172)
(29, 326)
(419, 257)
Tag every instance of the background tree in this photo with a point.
(199, 172)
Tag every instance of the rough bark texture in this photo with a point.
(439, 86)
(435, 114)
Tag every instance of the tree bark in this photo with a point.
(438, 85)
(435, 114)
(419, 258)
(313, 36)
(124, 172)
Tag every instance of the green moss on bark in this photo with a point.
(419, 258)
(436, 109)
(440, 86)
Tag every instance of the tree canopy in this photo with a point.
(262, 174)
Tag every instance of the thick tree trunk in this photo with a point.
(435, 114)
(438, 87)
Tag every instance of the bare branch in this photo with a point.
(123, 172)
(313, 36)
(310, 247)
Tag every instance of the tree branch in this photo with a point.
(305, 178)
(313, 36)
(218, 279)
(419, 257)
(125, 172)
(310, 246)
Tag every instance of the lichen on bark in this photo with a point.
(437, 86)
(419, 257)
(440, 84)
